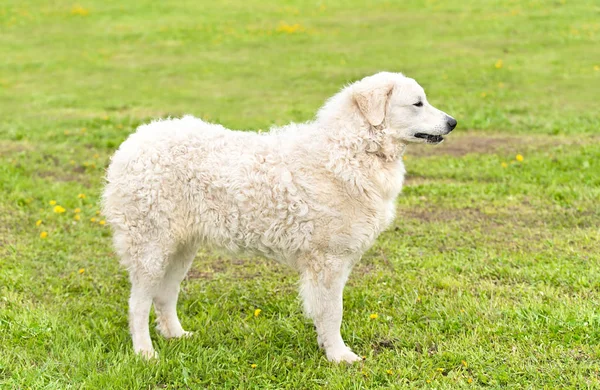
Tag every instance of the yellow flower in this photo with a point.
(43, 234)
(289, 29)
(96, 155)
(483, 94)
(97, 212)
(77, 210)
(105, 117)
(81, 270)
(440, 369)
(373, 316)
(470, 380)
(596, 67)
(519, 158)
(253, 365)
(72, 162)
(464, 363)
(390, 372)
(81, 196)
(102, 222)
(92, 219)
(404, 158)
(504, 165)
(77, 217)
(52, 202)
(38, 222)
(79, 10)
(257, 312)
(498, 64)
(59, 209)
(428, 381)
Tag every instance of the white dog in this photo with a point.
(314, 195)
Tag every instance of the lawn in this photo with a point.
(488, 278)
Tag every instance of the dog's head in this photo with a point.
(398, 104)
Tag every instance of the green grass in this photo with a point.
(488, 278)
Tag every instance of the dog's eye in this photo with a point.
(420, 104)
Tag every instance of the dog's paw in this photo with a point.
(342, 355)
(147, 354)
(174, 332)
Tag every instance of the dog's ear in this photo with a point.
(371, 98)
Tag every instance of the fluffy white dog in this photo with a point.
(314, 195)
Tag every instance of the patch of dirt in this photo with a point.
(443, 215)
(483, 143)
(64, 177)
(8, 148)
(384, 344)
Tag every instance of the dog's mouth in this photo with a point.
(430, 138)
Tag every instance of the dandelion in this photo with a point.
(373, 316)
(103, 222)
(428, 381)
(77, 210)
(105, 117)
(59, 209)
(596, 67)
(81, 196)
(470, 380)
(404, 158)
(257, 312)
(440, 369)
(77, 217)
(52, 202)
(81, 270)
(92, 219)
(464, 363)
(519, 158)
(498, 64)
(289, 29)
(504, 165)
(97, 212)
(43, 234)
(38, 222)
(253, 365)
(72, 162)
(390, 372)
(79, 10)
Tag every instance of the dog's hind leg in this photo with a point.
(321, 289)
(165, 299)
(140, 301)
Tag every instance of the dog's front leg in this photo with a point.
(322, 287)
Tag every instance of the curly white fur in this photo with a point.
(313, 195)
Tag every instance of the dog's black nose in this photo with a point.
(451, 123)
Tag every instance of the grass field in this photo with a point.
(488, 278)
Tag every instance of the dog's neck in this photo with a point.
(368, 160)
